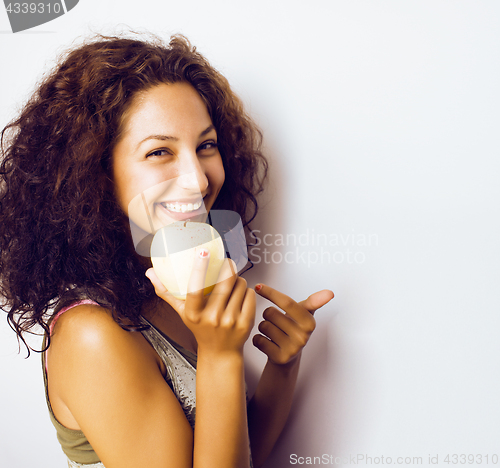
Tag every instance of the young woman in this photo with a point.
(129, 368)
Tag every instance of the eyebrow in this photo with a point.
(171, 138)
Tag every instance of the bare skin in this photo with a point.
(284, 335)
(105, 368)
(110, 383)
(113, 385)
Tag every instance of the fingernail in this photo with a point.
(258, 287)
(203, 253)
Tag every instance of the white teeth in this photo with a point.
(182, 208)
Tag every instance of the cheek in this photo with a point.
(126, 190)
(218, 174)
(135, 181)
(139, 199)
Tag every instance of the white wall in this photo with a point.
(381, 121)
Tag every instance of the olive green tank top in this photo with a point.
(181, 377)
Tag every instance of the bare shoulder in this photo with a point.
(86, 321)
(111, 383)
(87, 335)
(89, 329)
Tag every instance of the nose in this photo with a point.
(191, 174)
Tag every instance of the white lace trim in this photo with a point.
(73, 464)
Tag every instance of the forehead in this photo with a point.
(176, 106)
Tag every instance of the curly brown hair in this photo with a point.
(62, 233)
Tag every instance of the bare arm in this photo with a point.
(111, 382)
(221, 326)
(283, 337)
(269, 408)
(221, 432)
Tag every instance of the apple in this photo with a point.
(173, 253)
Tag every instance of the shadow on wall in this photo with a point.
(336, 400)
(333, 402)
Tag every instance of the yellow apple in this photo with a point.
(173, 253)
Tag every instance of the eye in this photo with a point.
(158, 152)
(208, 145)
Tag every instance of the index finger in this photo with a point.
(311, 304)
(195, 299)
(225, 283)
(162, 291)
(291, 307)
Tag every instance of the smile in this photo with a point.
(181, 207)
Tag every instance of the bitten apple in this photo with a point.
(173, 252)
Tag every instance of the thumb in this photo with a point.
(317, 300)
(162, 291)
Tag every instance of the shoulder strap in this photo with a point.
(65, 309)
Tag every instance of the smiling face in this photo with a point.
(166, 165)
